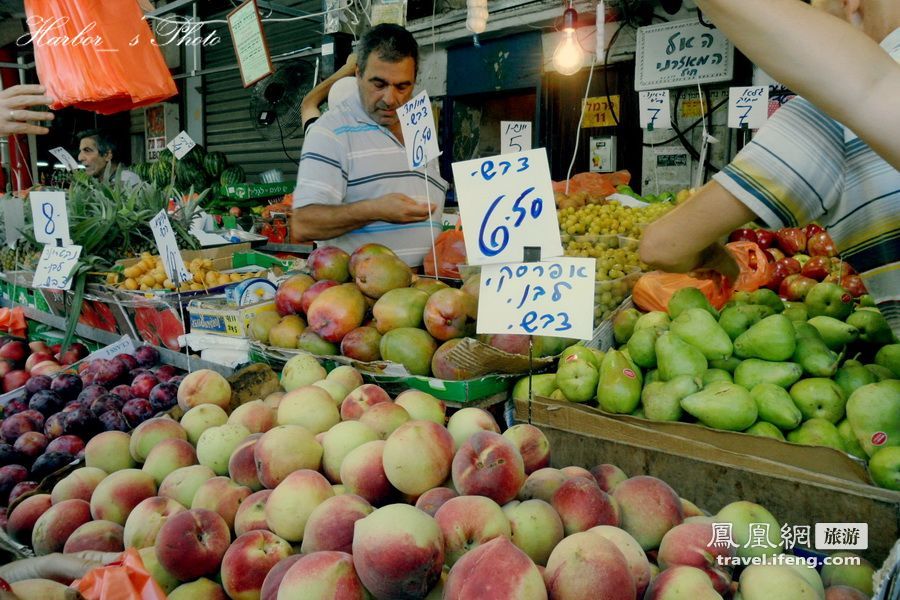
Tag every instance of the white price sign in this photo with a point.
(54, 270)
(67, 160)
(552, 298)
(506, 203)
(50, 217)
(748, 107)
(168, 248)
(124, 346)
(419, 135)
(654, 108)
(515, 136)
(180, 145)
(13, 219)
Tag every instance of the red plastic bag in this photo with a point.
(594, 184)
(450, 248)
(110, 62)
(753, 263)
(125, 579)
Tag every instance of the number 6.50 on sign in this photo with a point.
(506, 203)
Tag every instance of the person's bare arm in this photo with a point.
(325, 221)
(309, 106)
(14, 116)
(687, 237)
(798, 46)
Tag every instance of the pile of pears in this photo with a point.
(821, 373)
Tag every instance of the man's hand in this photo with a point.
(719, 259)
(399, 208)
(13, 116)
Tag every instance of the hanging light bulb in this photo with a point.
(567, 58)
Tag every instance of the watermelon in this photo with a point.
(214, 163)
(232, 175)
(165, 156)
(196, 155)
(188, 174)
(160, 173)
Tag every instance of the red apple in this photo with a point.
(821, 244)
(812, 229)
(796, 287)
(854, 284)
(765, 239)
(792, 240)
(742, 235)
(841, 268)
(781, 269)
(773, 254)
(816, 268)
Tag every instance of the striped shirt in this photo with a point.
(346, 158)
(804, 166)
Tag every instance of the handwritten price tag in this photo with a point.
(50, 217)
(553, 298)
(515, 136)
(168, 248)
(63, 156)
(655, 111)
(180, 145)
(13, 219)
(419, 134)
(54, 270)
(125, 345)
(506, 203)
(748, 107)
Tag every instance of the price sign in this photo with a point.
(168, 248)
(515, 136)
(419, 135)
(50, 217)
(54, 270)
(748, 107)
(13, 219)
(506, 203)
(180, 145)
(552, 297)
(654, 109)
(124, 346)
(63, 156)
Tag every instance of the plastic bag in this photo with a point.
(594, 184)
(450, 247)
(125, 579)
(123, 71)
(753, 263)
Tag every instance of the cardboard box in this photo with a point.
(213, 314)
(799, 485)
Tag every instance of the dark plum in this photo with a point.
(36, 418)
(88, 378)
(91, 393)
(36, 384)
(15, 426)
(123, 391)
(70, 444)
(10, 476)
(166, 372)
(137, 410)
(74, 404)
(107, 402)
(111, 373)
(53, 428)
(31, 444)
(135, 372)
(67, 385)
(22, 488)
(46, 402)
(147, 356)
(81, 422)
(50, 463)
(164, 396)
(143, 384)
(9, 455)
(15, 406)
(176, 380)
(129, 360)
(113, 420)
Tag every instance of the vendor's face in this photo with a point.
(385, 86)
(89, 155)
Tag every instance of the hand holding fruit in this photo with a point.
(399, 208)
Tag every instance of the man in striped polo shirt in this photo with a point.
(354, 185)
(802, 166)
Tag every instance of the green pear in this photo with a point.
(884, 467)
(770, 339)
(689, 297)
(557, 394)
(541, 385)
(642, 347)
(663, 402)
(638, 413)
(619, 387)
(676, 357)
(874, 414)
(742, 514)
(741, 298)
(836, 334)
(872, 326)
(767, 297)
(598, 356)
(830, 299)
(552, 346)
(651, 376)
(813, 355)
(853, 375)
(775, 406)
(765, 429)
(817, 432)
(797, 312)
(889, 358)
(727, 364)
(881, 373)
(699, 329)
(581, 352)
(754, 371)
(655, 318)
(722, 405)
(577, 379)
(818, 397)
(623, 324)
(711, 375)
(850, 441)
(735, 320)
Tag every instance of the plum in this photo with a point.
(31, 444)
(36, 384)
(15, 426)
(147, 356)
(22, 488)
(81, 422)
(176, 380)
(10, 475)
(143, 384)
(164, 396)
(67, 385)
(9, 455)
(91, 393)
(139, 371)
(166, 372)
(46, 402)
(74, 405)
(111, 373)
(88, 378)
(53, 428)
(107, 402)
(129, 360)
(137, 410)
(15, 406)
(113, 420)
(123, 391)
(50, 463)
(69, 444)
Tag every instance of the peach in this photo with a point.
(363, 474)
(488, 464)
(422, 406)
(608, 476)
(334, 389)
(385, 418)
(844, 592)
(251, 514)
(746, 517)
(533, 445)
(309, 406)
(247, 562)
(273, 580)
(204, 386)
(325, 574)
(648, 508)
(79, 484)
(181, 484)
(634, 555)
(108, 451)
(542, 484)
(191, 544)
(573, 471)
(101, 536)
(330, 525)
(467, 522)
(585, 565)
(254, 415)
(201, 589)
(496, 570)
(23, 517)
(690, 544)
(691, 510)
(200, 418)
(856, 576)
(146, 519)
(681, 582)
(362, 399)
(300, 370)
(167, 456)
(221, 495)
(398, 552)
(283, 450)
(116, 496)
(293, 500)
(417, 456)
(339, 441)
(151, 432)
(166, 580)
(274, 399)
(242, 464)
(535, 528)
(345, 375)
(434, 499)
(468, 421)
(217, 444)
(581, 504)
(53, 528)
